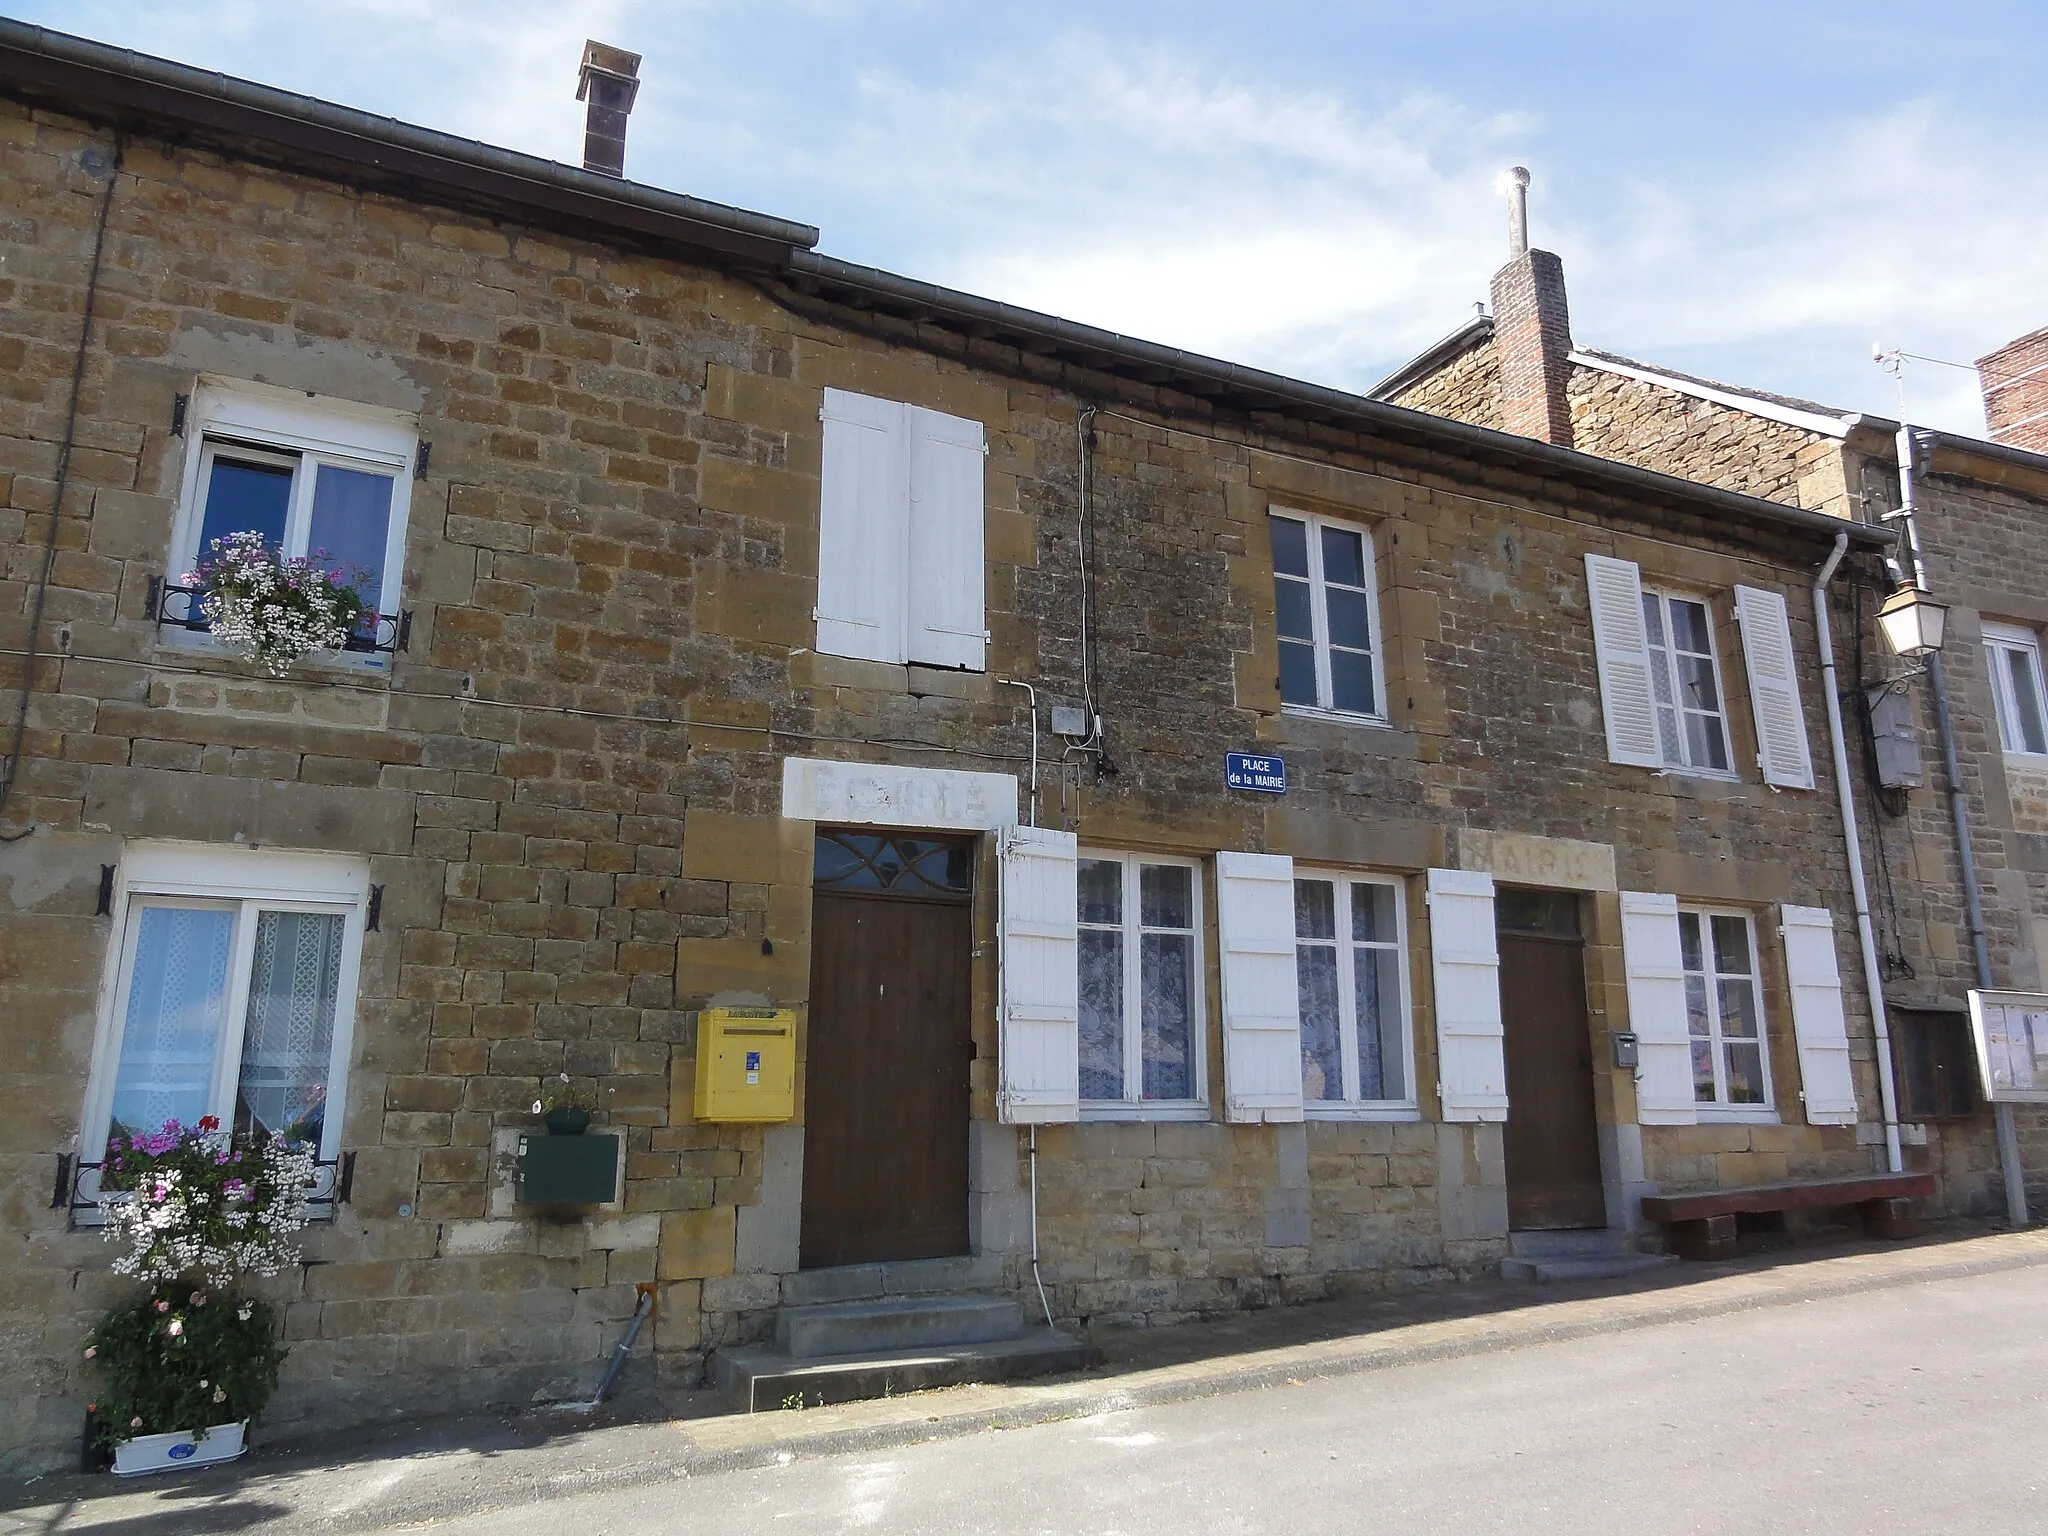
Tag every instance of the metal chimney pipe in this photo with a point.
(609, 80)
(1514, 182)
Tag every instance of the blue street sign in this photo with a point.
(1246, 770)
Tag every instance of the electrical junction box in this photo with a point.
(1069, 721)
(566, 1170)
(746, 1064)
(1627, 1050)
(1897, 739)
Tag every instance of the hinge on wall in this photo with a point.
(106, 906)
(376, 909)
(178, 405)
(419, 464)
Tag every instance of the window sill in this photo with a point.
(1113, 1109)
(1381, 1113)
(1704, 775)
(1736, 1114)
(202, 655)
(1336, 716)
(2035, 760)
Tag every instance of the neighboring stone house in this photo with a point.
(764, 631)
(1982, 513)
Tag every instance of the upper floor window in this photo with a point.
(1325, 599)
(1692, 724)
(900, 575)
(231, 994)
(320, 479)
(1140, 982)
(2015, 657)
(1350, 973)
(1724, 1013)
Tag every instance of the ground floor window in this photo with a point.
(232, 994)
(1724, 1012)
(1352, 985)
(1140, 981)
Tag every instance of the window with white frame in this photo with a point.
(1724, 1009)
(901, 507)
(1325, 597)
(1685, 679)
(320, 479)
(1140, 982)
(1351, 975)
(230, 992)
(2015, 658)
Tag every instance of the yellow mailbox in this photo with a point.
(746, 1064)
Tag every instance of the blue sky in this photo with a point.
(1756, 192)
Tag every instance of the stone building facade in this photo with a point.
(635, 751)
(1982, 514)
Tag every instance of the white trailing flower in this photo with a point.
(271, 609)
(175, 1226)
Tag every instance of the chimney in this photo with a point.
(609, 81)
(1532, 329)
(2015, 384)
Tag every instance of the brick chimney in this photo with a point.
(609, 81)
(1532, 329)
(2015, 384)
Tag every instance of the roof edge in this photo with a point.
(78, 75)
(1467, 336)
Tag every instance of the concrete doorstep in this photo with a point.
(372, 1483)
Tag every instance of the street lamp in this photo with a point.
(1913, 623)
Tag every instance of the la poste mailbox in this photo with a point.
(746, 1064)
(1249, 770)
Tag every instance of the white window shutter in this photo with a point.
(1655, 966)
(948, 622)
(1261, 1004)
(1040, 978)
(1621, 648)
(1828, 1084)
(863, 528)
(1472, 1073)
(1773, 688)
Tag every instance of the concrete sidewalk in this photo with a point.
(421, 1473)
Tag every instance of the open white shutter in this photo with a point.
(1261, 1006)
(948, 625)
(1040, 978)
(1828, 1084)
(1621, 647)
(1472, 1073)
(1773, 688)
(863, 528)
(1655, 966)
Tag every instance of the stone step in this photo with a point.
(896, 1322)
(1597, 1267)
(761, 1379)
(1569, 1243)
(902, 1277)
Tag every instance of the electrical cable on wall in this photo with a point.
(12, 771)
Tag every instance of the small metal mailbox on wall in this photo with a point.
(746, 1064)
(566, 1170)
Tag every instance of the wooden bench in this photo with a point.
(1703, 1225)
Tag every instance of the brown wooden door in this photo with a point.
(885, 1097)
(1553, 1151)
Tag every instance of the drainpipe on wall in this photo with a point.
(1866, 937)
(2010, 1172)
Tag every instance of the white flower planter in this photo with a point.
(173, 1452)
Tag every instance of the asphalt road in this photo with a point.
(1923, 1407)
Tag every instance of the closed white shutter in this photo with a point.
(1828, 1084)
(948, 627)
(1621, 647)
(1040, 979)
(1261, 1005)
(1655, 966)
(1472, 1074)
(863, 528)
(1773, 688)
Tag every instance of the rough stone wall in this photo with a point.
(569, 787)
(1466, 389)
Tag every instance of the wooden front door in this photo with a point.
(886, 1089)
(1553, 1150)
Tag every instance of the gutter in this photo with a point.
(1092, 346)
(78, 76)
